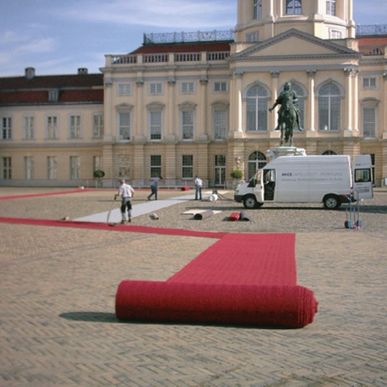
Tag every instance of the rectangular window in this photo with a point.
(155, 88)
(28, 167)
(220, 124)
(331, 7)
(187, 167)
(334, 34)
(155, 166)
(187, 87)
(369, 83)
(187, 125)
(293, 7)
(53, 95)
(6, 128)
(155, 125)
(257, 9)
(124, 125)
(98, 125)
(75, 167)
(369, 122)
(52, 127)
(75, 126)
(124, 89)
(29, 128)
(252, 37)
(51, 167)
(220, 87)
(7, 168)
(97, 163)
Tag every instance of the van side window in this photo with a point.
(252, 182)
(362, 175)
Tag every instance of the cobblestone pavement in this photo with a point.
(58, 287)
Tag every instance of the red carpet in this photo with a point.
(34, 195)
(246, 279)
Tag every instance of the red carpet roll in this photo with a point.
(274, 306)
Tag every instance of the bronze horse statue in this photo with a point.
(288, 114)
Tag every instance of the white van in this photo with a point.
(329, 179)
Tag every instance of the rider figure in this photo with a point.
(288, 101)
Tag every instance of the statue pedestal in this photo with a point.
(278, 151)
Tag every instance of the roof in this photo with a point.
(80, 88)
(372, 45)
(183, 47)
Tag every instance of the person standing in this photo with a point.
(198, 188)
(154, 187)
(126, 192)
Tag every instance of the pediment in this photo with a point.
(294, 43)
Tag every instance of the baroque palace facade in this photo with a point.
(197, 104)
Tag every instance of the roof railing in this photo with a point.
(190, 37)
(371, 30)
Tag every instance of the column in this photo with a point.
(355, 82)
(202, 134)
(348, 113)
(170, 124)
(139, 129)
(170, 164)
(239, 104)
(310, 122)
(383, 106)
(109, 131)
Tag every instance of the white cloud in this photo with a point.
(174, 14)
(36, 45)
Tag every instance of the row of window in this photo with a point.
(52, 167)
(293, 7)
(52, 127)
(157, 88)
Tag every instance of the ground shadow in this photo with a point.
(101, 317)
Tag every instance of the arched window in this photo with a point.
(256, 105)
(293, 7)
(257, 9)
(257, 160)
(329, 107)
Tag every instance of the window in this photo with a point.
(369, 121)
(187, 115)
(329, 107)
(155, 125)
(256, 105)
(7, 168)
(220, 170)
(293, 7)
(257, 160)
(75, 167)
(28, 128)
(52, 127)
(51, 167)
(252, 37)
(98, 125)
(53, 95)
(331, 7)
(187, 87)
(28, 167)
(75, 127)
(155, 88)
(6, 132)
(220, 117)
(257, 9)
(124, 125)
(124, 89)
(334, 34)
(220, 86)
(155, 166)
(369, 83)
(362, 175)
(187, 167)
(97, 163)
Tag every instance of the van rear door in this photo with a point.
(362, 177)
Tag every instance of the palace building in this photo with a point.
(186, 104)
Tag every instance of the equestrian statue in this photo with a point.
(288, 114)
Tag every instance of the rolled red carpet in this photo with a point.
(273, 306)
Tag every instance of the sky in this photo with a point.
(60, 36)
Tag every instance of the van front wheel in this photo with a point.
(250, 202)
(331, 202)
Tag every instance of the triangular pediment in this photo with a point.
(294, 43)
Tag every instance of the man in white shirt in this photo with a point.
(198, 188)
(126, 192)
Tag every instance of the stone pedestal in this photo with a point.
(278, 151)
